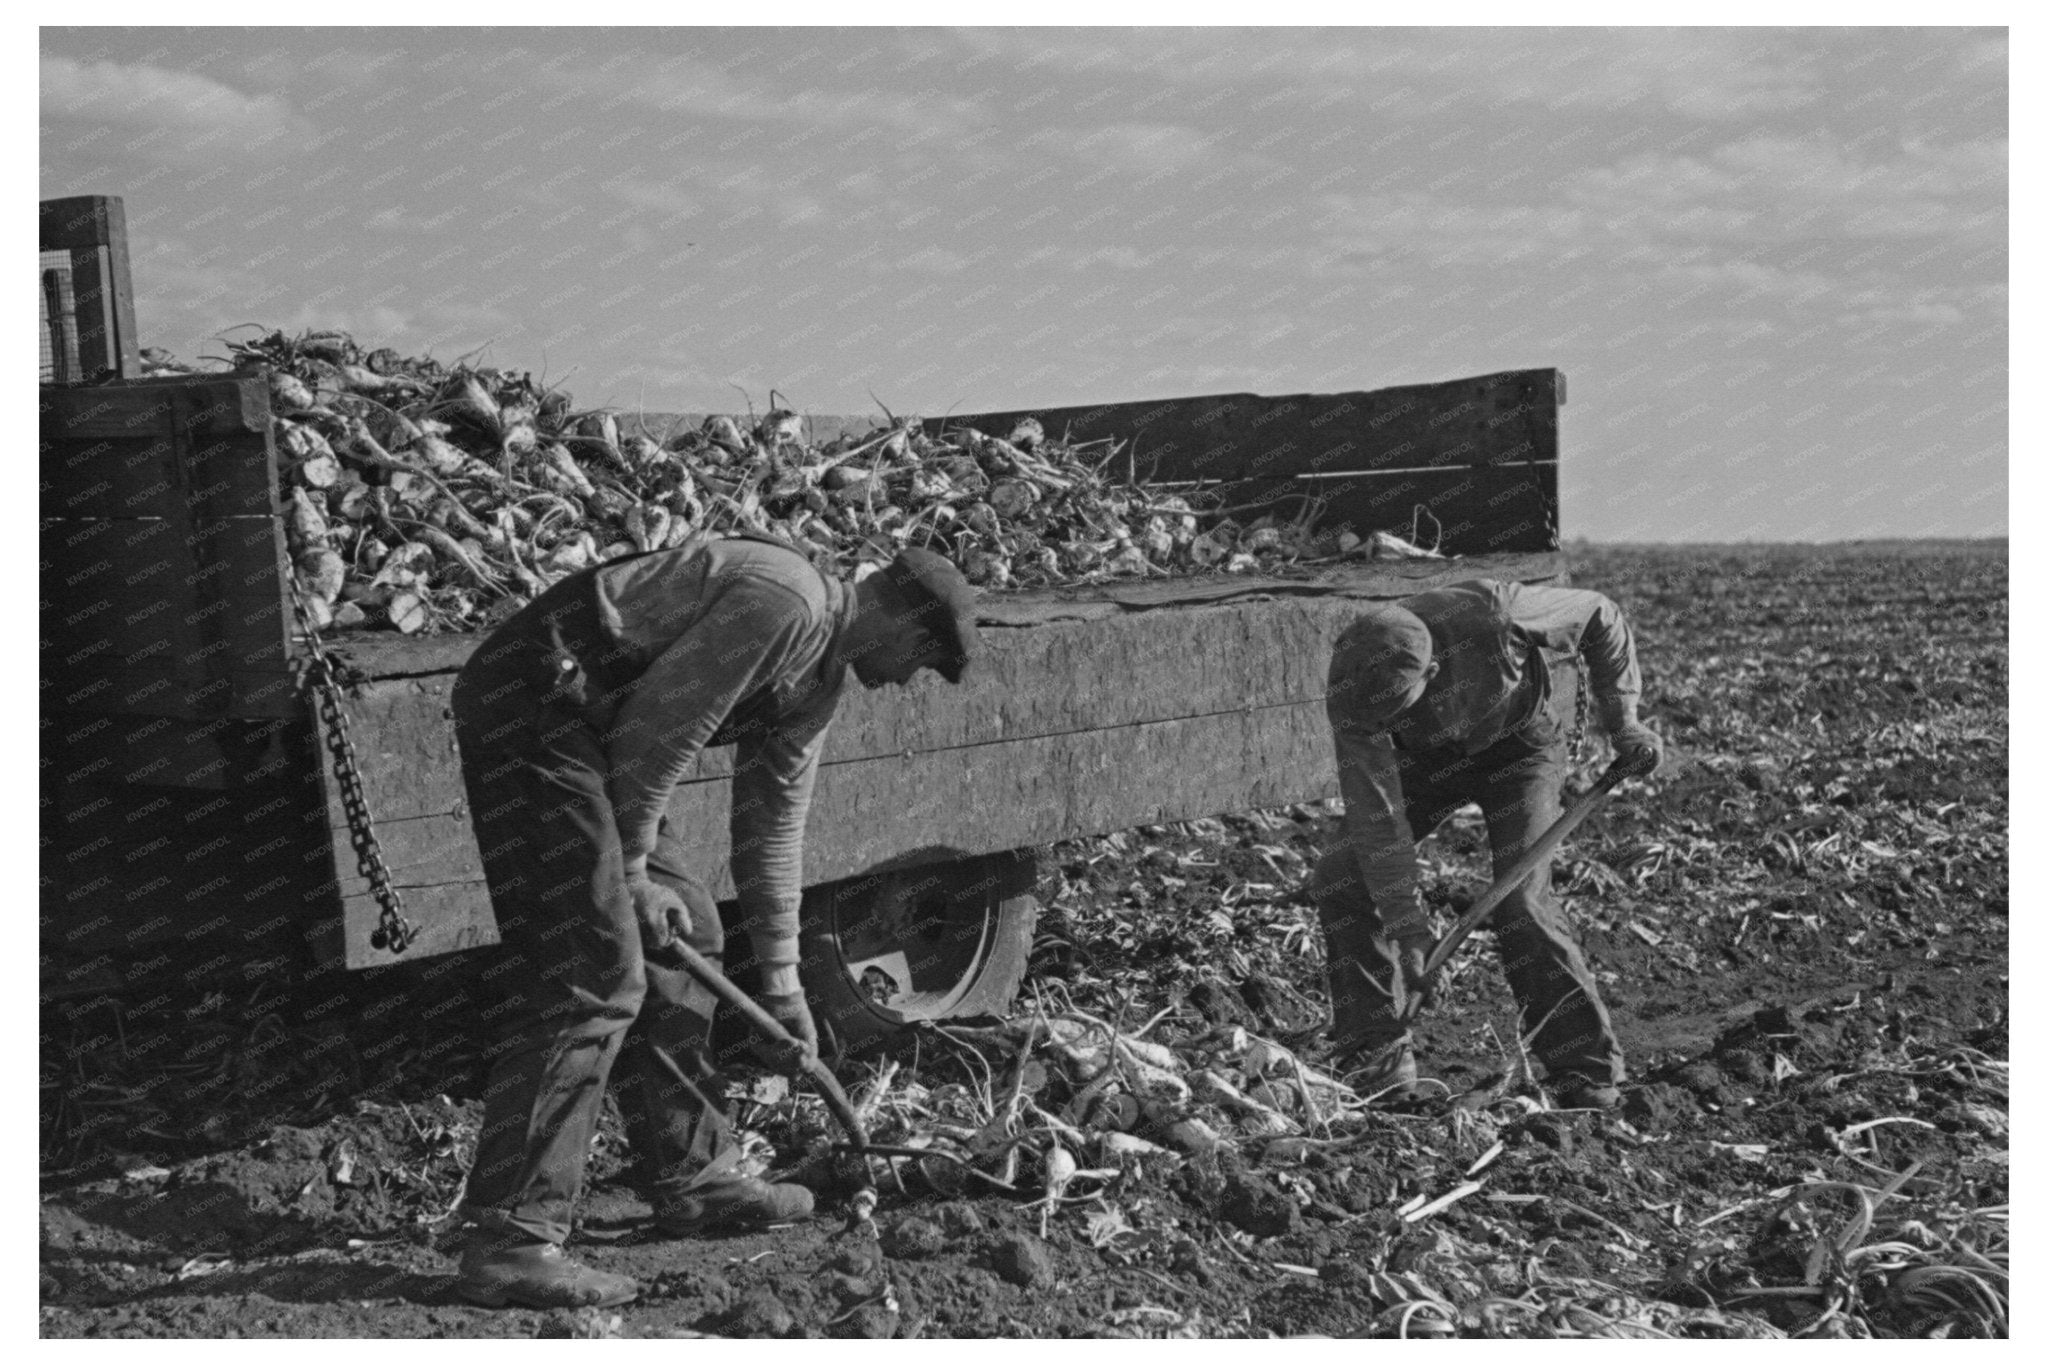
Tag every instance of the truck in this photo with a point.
(218, 801)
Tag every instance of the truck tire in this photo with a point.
(937, 941)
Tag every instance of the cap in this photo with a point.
(937, 596)
(1379, 667)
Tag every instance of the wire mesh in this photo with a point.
(56, 318)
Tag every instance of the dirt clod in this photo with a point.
(1552, 1130)
(960, 1220)
(760, 1314)
(1657, 1107)
(849, 1289)
(1343, 1273)
(1256, 1205)
(1023, 1260)
(913, 1239)
(858, 1259)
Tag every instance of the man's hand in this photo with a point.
(793, 1012)
(663, 916)
(1638, 750)
(1414, 951)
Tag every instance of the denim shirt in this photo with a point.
(1488, 640)
(740, 643)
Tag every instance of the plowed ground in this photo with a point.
(1800, 926)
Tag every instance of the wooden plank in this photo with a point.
(157, 450)
(85, 220)
(1363, 580)
(148, 603)
(1486, 419)
(404, 736)
(387, 654)
(223, 753)
(110, 477)
(115, 597)
(222, 405)
(237, 559)
(953, 803)
(107, 347)
(449, 918)
(935, 807)
(1503, 509)
(1041, 682)
(1044, 680)
(145, 690)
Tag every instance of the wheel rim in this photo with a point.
(912, 945)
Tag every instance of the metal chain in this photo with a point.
(394, 931)
(1580, 710)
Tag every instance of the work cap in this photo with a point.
(1379, 667)
(937, 596)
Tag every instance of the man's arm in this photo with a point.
(773, 777)
(1376, 828)
(752, 634)
(1576, 619)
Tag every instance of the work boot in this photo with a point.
(1573, 1090)
(1386, 1072)
(730, 1205)
(1356, 1004)
(537, 1275)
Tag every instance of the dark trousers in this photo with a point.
(575, 994)
(1517, 784)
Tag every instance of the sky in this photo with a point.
(1771, 263)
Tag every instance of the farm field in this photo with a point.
(1800, 925)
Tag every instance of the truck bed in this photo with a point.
(177, 732)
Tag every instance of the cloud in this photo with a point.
(198, 111)
(1145, 147)
(725, 189)
(1918, 314)
(1449, 232)
(1660, 209)
(1768, 187)
(1084, 258)
(708, 90)
(669, 199)
(1702, 74)
(180, 286)
(930, 260)
(1756, 279)
(1924, 307)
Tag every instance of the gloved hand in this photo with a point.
(663, 915)
(1414, 951)
(1638, 749)
(793, 1012)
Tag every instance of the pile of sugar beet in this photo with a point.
(424, 497)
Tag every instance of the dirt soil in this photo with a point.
(1800, 926)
